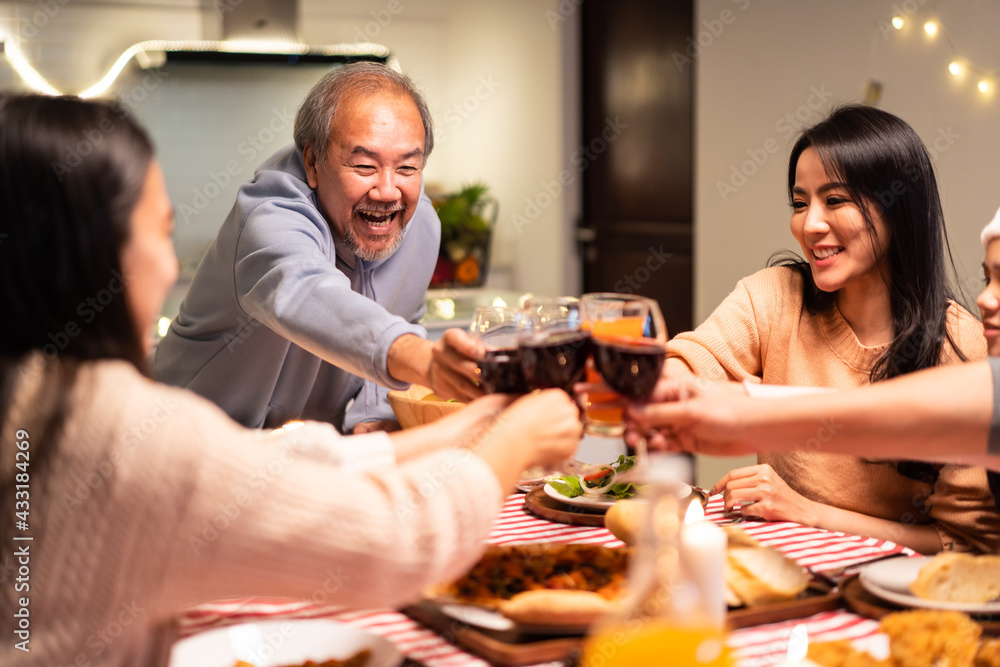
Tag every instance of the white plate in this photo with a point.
(601, 502)
(282, 642)
(891, 579)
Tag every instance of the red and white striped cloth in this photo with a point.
(816, 549)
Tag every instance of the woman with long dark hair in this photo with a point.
(126, 500)
(869, 300)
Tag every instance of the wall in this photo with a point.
(491, 71)
(771, 67)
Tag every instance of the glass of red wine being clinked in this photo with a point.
(628, 358)
(496, 328)
(553, 342)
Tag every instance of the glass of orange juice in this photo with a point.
(666, 616)
(609, 315)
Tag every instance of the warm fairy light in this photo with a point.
(499, 303)
(958, 66)
(162, 326)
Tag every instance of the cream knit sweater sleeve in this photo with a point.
(155, 500)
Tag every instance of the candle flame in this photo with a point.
(694, 512)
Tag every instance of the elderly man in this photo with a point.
(310, 294)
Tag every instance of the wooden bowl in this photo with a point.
(419, 405)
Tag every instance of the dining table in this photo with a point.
(825, 554)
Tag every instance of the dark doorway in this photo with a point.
(637, 144)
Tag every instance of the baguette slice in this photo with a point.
(759, 575)
(556, 607)
(959, 577)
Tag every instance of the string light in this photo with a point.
(958, 66)
(151, 53)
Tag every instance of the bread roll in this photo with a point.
(759, 575)
(624, 519)
(556, 607)
(959, 577)
(737, 537)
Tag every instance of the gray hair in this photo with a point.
(315, 116)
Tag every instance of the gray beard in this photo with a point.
(370, 255)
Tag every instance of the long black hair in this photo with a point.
(887, 171)
(71, 173)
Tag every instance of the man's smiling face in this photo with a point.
(369, 185)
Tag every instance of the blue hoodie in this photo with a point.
(283, 322)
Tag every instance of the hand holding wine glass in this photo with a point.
(631, 365)
(496, 331)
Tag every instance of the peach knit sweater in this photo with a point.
(762, 331)
(156, 500)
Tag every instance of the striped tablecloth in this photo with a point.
(816, 549)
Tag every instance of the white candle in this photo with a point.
(703, 548)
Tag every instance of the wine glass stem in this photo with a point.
(641, 455)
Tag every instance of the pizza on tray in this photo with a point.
(543, 584)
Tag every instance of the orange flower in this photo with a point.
(468, 270)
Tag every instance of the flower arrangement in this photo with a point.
(467, 220)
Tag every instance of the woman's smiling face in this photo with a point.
(989, 299)
(831, 230)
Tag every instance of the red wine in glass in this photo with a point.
(555, 359)
(501, 373)
(631, 367)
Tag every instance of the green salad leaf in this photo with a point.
(571, 486)
(568, 486)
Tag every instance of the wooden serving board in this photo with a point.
(860, 601)
(506, 647)
(818, 597)
(539, 503)
(519, 647)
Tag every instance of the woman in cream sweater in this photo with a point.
(868, 302)
(125, 500)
